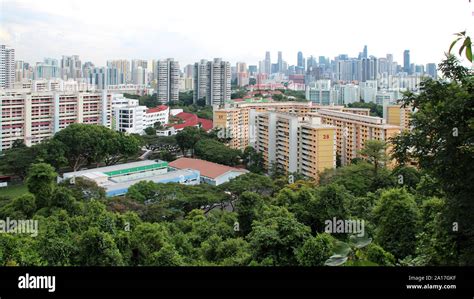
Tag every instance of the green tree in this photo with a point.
(441, 143)
(119, 146)
(275, 238)
(83, 144)
(330, 203)
(215, 151)
(17, 161)
(41, 182)
(150, 131)
(315, 250)
(167, 256)
(397, 218)
(253, 160)
(374, 151)
(187, 139)
(248, 207)
(250, 182)
(84, 190)
(98, 248)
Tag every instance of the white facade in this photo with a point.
(168, 80)
(159, 114)
(131, 118)
(35, 116)
(212, 80)
(7, 67)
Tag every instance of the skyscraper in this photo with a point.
(300, 62)
(364, 53)
(268, 63)
(48, 69)
(280, 62)
(168, 80)
(136, 63)
(7, 67)
(71, 67)
(188, 71)
(123, 69)
(431, 70)
(406, 61)
(212, 81)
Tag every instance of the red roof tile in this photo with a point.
(157, 109)
(191, 120)
(206, 168)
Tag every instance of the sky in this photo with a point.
(237, 30)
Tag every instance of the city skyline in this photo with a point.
(54, 28)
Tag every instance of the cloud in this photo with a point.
(189, 30)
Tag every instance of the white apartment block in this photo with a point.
(7, 67)
(131, 118)
(36, 116)
(54, 85)
(212, 81)
(168, 80)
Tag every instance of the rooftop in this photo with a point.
(206, 168)
(157, 109)
(192, 120)
(115, 168)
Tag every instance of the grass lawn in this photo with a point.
(13, 191)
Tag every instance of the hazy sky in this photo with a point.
(236, 30)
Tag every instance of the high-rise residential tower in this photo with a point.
(212, 81)
(143, 65)
(168, 80)
(7, 67)
(123, 69)
(71, 67)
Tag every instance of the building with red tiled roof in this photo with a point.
(157, 114)
(192, 120)
(157, 109)
(211, 173)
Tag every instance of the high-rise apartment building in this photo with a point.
(123, 69)
(48, 69)
(71, 67)
(321, 93)
(201, 80)
(138, 76)
(7, 67)
(168, 80)
(234, 121)
(292, 144)
(353, 130)
(397, 115)
(189, 71)
(212, 81)
(35, 116)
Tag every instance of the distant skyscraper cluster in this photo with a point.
(341, 79)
